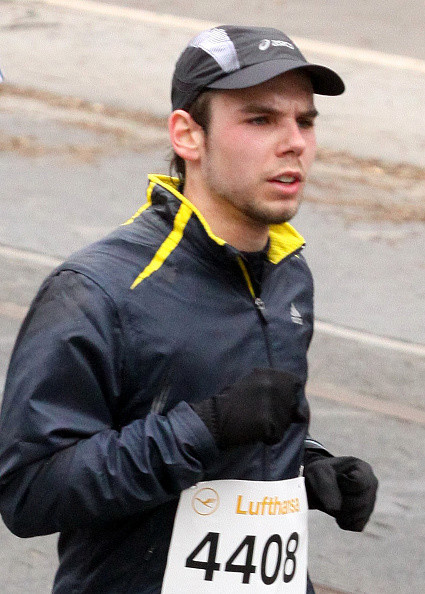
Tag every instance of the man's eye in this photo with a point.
(306, 123)
(259, 120)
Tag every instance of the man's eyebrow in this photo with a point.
(258, 108)
(311, 113)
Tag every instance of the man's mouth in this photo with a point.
(287, 178)
(288, 183)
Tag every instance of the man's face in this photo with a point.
(259, 149)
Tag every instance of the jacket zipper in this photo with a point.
(260, 309)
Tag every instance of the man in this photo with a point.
(174, 350)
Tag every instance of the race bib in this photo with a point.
(239, 537)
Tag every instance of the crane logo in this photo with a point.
(205, 501)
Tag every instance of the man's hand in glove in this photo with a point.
(343, 487)
(259, 407)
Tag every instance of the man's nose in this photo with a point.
(291, 139)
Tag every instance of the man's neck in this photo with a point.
(225, 221)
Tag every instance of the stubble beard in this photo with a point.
(267, 217)
(255, 213)
(237, 198)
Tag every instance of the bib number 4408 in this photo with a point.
(268, 574)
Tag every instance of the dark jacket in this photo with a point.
(97, 438)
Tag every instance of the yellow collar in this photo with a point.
(284, 239)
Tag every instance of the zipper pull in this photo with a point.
(261, 308)
(148, 554)
(259, 304)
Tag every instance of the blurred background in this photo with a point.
(83, 113)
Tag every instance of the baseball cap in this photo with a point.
(236, 57)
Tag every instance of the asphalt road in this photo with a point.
(81, 124)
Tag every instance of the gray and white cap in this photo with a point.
(235, 57)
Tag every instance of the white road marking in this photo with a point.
(403, 412)
(373, 339)
(167, 21)
(173, 22)
(29, 256)
(12, 311)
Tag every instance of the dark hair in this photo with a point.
(200, 110)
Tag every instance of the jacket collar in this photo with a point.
(284, 239)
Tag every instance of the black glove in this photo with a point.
(343, 487)
(259, 407)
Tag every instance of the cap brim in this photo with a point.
(324, 80)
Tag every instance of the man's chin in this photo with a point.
(281, 216)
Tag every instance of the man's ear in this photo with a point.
(187, 137)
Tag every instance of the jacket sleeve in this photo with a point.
(312, 445)
(63, 462)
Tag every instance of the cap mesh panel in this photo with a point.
(219, 46)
